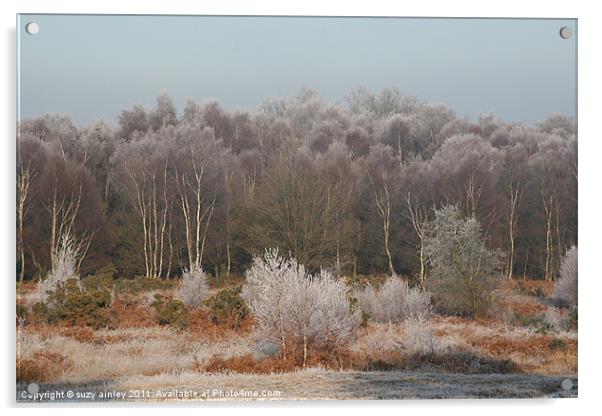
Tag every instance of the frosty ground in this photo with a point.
(510, 355)
(318, 384)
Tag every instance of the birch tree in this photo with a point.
(199, 177)
(143, 167)
(27, 149)
(341, 175)
(69, 192)
(382, 174)
(419, 218)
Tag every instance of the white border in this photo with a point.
(589, 175)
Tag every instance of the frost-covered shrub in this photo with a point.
(566, 286)
(296, 310)
(557, 320)
(64, 268)
(266, 282)
(464, 272)
(394, 302)
(329, 315)
(193, 287)
(562, 319)
(420, 339)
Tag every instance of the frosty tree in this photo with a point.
(464, 271)
(296, 310)
(348, 187)
(64, 268)
(566, 286)
(193, 287)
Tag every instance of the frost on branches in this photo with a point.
(297, 310)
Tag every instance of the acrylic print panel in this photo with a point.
(286, 208)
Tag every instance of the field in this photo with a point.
(319, 384)
(517, 352)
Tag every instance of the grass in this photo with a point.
(498, 357)
(316, 384)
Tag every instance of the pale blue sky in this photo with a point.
(91, 67)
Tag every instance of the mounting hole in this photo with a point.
(566, 32)
(32, 28)
(33, 388)
(567, 384)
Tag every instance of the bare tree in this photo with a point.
(340, 175)
(250, 165)
(419, 219)
(343, 187)
(144, 166)
(67, 183)
(99, 143)
(552, 179)
(196, 169)
(548, 200)
(25, 176)
(465, 173)
(514, 192)
(512, 182)
(295, 210)
(383, 176)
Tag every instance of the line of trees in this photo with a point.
(350, 187)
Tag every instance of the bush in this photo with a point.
(296, 310)
(566, 286)
(420, 339)
(142, 284)
(39, 312)
(556, 319)
(64, 268)
(170, 311)
(561, 319)
(76, 306)
(103, 279)
(464, 272)
(193, 287)
(22, 314)
(537, 323)
(395, 302)
(227, 307)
